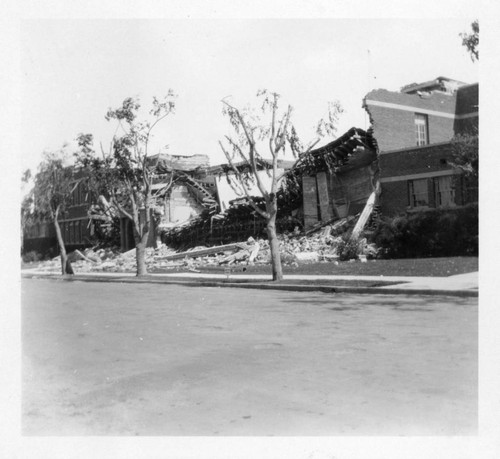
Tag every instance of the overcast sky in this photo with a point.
(73, 70)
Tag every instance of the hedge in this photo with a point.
(430, 233)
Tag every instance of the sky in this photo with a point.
(72, 71)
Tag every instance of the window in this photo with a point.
(418, 193)
(444, 191)
(421, 129)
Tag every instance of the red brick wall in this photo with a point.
(415, 161)
(440, 129)
(394, 198)
(392, 128)
(395, 129)
(467, 99)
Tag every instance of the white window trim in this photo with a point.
(401, 178)
(421, 127)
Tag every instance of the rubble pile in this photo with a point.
(326, 244)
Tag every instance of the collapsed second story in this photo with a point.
(422, 114)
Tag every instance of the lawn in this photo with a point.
(435, 267)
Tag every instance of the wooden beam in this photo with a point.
(203, 252)
(363, 218)
(324, 200)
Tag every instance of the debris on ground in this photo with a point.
(325, 243)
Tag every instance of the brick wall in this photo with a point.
(394, 198)
(395, 129)
(415, 161)
(440, 129)
(467, 99)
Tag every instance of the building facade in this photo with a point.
(414, 128)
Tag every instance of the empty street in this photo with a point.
(139, 359)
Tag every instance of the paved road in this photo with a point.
(124, 359)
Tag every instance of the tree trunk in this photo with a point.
(275, 248)
(140, 254)
(66, 267)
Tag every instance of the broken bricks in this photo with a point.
(295, 248)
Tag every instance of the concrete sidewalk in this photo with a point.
(458, 285)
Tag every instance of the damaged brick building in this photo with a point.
(338, 178)
(402, 163)
(413, 128)
(182, 189)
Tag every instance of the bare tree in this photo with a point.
(271, 129)
(126, 170)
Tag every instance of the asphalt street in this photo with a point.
(142, 359)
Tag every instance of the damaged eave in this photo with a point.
(165, 163)
(356, 148)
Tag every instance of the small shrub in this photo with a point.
(347, 249)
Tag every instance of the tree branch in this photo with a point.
(121, 209)
(255, 171)
(238, 149)
(241, 180)
(273, 127)
(156, 122)
(252, 149)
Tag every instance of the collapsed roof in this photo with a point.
(262, 164)
(355, 148)
(167, 163)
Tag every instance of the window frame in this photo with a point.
(421, 122)
(440, 192)
(413, 203)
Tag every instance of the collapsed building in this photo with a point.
(402, 163)
(338, 178)
(182, 190)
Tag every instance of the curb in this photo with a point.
(258, 285)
